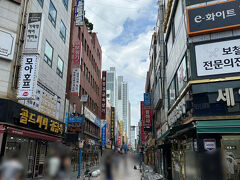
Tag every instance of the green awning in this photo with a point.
(222, 126)
(163, 136)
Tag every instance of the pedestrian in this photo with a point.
(12, 169)
(108, 168)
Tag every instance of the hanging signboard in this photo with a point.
(112, 123)
(182, 75)
(147, 99)
(79, 14)
(104, 86)
(33, 33)
(75, 82)
(104, 133)
(77, 53)
(218, 58)
(28, 77)
(146, 115)
(7, 44)
(213, 17)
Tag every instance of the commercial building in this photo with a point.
(84, 89)
(197, 119)
(33, 68)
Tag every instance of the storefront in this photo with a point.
(28, 133)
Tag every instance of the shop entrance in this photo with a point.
(231, 156)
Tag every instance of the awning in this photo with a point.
(222, 126)
(33, 134)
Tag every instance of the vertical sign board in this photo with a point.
(7, 44)
(33, 33)
(77, 53)
(104, 133)
(75, 82)
(144, 133)
(147, 99)
(119, 141)
(112, 123)
(146, 115)
(79, 14)
(28, 77)
(103, 104)
(218, 57)
(213, 17)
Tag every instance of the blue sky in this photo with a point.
(124, 30)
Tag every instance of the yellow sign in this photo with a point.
(121, 128)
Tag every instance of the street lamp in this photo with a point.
(84, 99)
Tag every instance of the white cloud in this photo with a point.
(131, 59)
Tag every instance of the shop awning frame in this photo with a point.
(220, 126)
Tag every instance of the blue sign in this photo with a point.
(147, 99)
(97, 122)
(104, 134)
(77, 119)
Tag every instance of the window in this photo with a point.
(52, 15)
(60, 67)
(63, 31)
(40, 2)
(48, 54)
(65, 2)
(172, 93)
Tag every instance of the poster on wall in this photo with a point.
(7, 44)
(28, 77)
(79, 14)
(33, 33)
(218, 58)
(75, 82)
(213, 17)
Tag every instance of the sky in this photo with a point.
(125, 29)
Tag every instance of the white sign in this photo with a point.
(28, 77)
(45, 102)
(227, 95)
(209, 144)
(218, 58)
(89, 115)
(79, 14)
(33, 33)
(7, 44)
(75, 82)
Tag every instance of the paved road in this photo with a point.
(123, 168)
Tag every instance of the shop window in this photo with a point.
(172, 93)
(63, 32)
(182, 75)
(60, 67)
(52, 15)
(48, 54)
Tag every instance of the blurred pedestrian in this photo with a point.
(12, 169)
(108, 168)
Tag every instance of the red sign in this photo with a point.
(144, 133)
(103, 105)
(146, 115)
(77, 53)
(119, 141)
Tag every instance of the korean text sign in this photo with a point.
(75, 82)
(77, 53)
(146, 115)
(79, 14)
(33, 33)
(28, 77)
(213, 18)
(218, 58)
(104, 86)
(112, 123)
(104, 133)
(147, 99)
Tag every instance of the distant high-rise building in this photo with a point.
(112, 85)
(133, 136)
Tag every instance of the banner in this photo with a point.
(79, 15)
(33, 33)
(104, 133)
(28, 77)
(75, 82)
(146, 115)
(77, 53)
(144, 133)
(103, 104)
